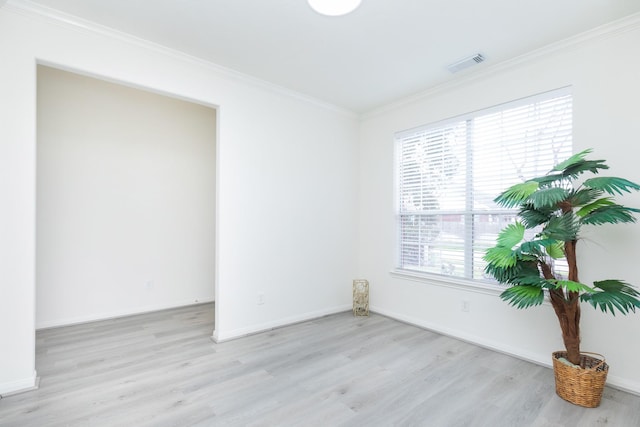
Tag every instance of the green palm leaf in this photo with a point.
(532, 280)
(612, 295)
(501, 274)
(523, 296)
(523, 272)
(612, 214)
(516, 194)
(531, 217)
(583, 166)
(584, 196)
(605, 201)
(564, 227)
(500, 256)
(532, 247)
(555, 250)
(511, 235)
(572, 160)
(547, 180)
(572, 286)
(611, 184)
(535, 247)
(548, 197)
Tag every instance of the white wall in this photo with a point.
(125, 219)
(603, 72)
(286, 179)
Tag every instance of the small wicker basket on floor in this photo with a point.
(580, 386)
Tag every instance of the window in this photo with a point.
(448, 174)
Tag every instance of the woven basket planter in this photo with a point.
(581, 386)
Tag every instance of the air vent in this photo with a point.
(466, 63)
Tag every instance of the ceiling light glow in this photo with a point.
(334, 7)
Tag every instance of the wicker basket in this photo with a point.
(581, 386)
(360, 297)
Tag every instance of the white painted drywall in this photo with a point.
(286, 177)
(603, 74)
(125, 219)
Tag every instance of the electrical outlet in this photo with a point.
(466, 306)
(260, 299)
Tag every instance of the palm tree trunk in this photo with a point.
(567, 306)
(568, 313)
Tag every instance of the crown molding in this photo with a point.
(33, 10)
(612, 29)
(603, 32)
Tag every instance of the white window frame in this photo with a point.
(406, 271)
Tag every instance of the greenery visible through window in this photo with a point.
(448, 174)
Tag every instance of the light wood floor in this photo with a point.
(162, 369)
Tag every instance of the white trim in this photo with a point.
(603, 32)
(280, 323)
(33, 10)
(119, 313)
(20, 386)
(463, 336)
(539, 359)
(623, 384)
(459, 283)
(621, 26)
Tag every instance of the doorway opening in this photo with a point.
(126, 200)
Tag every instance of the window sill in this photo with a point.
(449, 282)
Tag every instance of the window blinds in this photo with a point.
(449, 173)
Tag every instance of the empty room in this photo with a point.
(319, 213)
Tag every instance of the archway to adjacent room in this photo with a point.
(126, 193)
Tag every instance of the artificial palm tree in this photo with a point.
(558, 207)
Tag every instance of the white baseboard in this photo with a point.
(287, 321)
(117, 313)
(20, 386)
(537, 358)
(621, 383)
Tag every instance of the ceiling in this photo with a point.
(384, 51)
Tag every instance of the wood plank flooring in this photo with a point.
(162, 369)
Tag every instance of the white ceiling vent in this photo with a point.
(466, 63)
